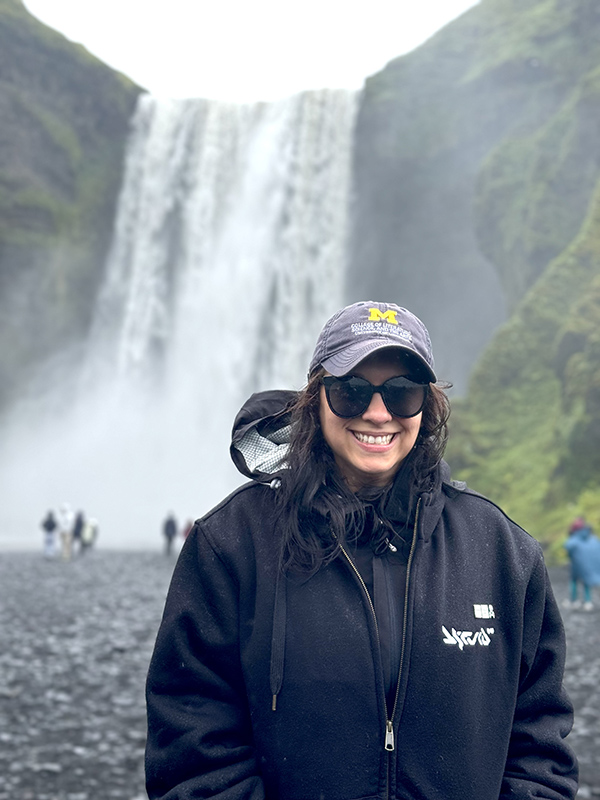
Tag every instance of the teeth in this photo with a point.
(366, 439)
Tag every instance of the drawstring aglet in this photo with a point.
(274, 703)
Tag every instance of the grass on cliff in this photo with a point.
(65, 118)
(527, 434)
(533, 191)
(526, 55)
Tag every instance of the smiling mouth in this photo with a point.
(364, 438)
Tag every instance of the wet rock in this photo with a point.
(77, 639)
(582, 680)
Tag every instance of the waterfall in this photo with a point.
(229, 253)
(230, 236)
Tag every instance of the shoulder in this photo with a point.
(486, 522)
(246, 514)
(461, 496)
(242, 500)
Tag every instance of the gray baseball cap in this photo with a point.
(360, 329)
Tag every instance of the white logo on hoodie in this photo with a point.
(483, 611)
(467, 638)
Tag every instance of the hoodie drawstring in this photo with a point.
(278, 637)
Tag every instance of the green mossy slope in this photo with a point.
(528, 434)
(65, 118)
(533, 191)
(481, 151)
(445, 135)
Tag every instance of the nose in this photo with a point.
(377, 411)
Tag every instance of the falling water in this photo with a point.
(227, 257)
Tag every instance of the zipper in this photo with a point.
(372, 607)
(366, 591)
(389, 742)
(405, 615)
(395, 622)
(389, 731)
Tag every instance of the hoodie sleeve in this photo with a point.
(540, 763)
(199, 733)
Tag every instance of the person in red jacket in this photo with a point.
(352, 624)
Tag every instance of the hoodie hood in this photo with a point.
(261, 434)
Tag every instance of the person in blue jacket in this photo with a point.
(352, 624)
(583, 548)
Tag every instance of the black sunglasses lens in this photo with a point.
(349, 397)
(404, 398)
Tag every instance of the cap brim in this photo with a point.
(346, 360)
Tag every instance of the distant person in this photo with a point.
(66, 518)
(89, 534)
(352, 623)
(78, 526)
(583, 548)
(169, 532)
(49, 526)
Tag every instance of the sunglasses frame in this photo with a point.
(330, 380)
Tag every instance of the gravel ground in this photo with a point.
(75, 643)
(582, 679)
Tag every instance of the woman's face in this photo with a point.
(360, 462)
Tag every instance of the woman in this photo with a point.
(351, 623)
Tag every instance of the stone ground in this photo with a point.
(75, 640)
(582, 679)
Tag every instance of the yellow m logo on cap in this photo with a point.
(377, 316)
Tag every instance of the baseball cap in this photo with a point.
(360, 329)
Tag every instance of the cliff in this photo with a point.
(65, 121)
(528, 432)
(445, 141)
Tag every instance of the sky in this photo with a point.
(247, 50)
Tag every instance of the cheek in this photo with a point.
(413, 427)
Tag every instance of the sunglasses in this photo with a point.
(350, 396)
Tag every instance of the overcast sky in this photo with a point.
(247, 50)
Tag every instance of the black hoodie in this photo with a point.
(268, 686)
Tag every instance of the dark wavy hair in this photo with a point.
(313, 489)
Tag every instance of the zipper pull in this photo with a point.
(392, 547)
(389, 736)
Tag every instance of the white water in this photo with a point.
(228, 256)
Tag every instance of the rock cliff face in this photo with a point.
(479, 153)
(64, 126)
(452, 192)
(528, 433)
